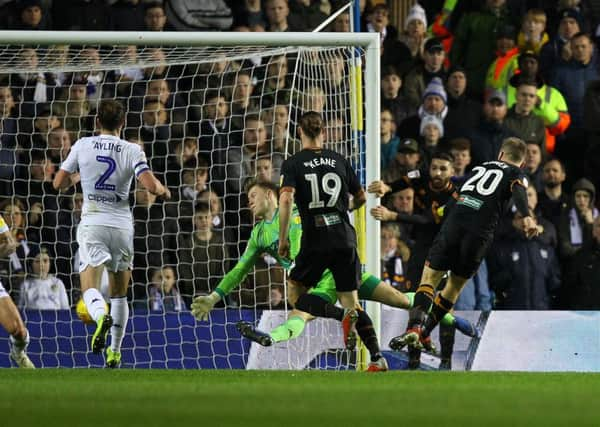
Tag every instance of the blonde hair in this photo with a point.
(514, 149)
(537, 15)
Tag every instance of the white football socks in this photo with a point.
(119, 311)
(94, 302)
(19, 345)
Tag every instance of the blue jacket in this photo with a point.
(571, 79)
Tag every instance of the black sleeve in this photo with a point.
(288, 178)
(519, 195)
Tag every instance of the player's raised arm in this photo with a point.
(67, 175)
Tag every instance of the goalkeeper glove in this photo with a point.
(202, 305)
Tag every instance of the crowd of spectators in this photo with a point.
(457, 78)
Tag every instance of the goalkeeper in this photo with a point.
(262, 200)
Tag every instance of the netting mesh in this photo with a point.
(209, 119)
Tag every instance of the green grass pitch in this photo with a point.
(172, 398)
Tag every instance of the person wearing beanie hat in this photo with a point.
(420, 76)
(414, 32)
(463, 112)
(575, 227)
(436, 88)
(432, 129)
(558, 51)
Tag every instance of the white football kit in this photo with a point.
(107, 165)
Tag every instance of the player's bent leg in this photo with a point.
(444, 302)
(292, 327)
(11, 321)
(388, 295)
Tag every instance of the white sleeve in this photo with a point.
(138, 160)
(71, 163)
(23, 295)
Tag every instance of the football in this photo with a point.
(83, 314)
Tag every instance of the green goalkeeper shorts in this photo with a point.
(326, 287)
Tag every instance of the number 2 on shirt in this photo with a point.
(112, 166)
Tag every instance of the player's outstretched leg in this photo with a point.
(291, 328)
(247, 330)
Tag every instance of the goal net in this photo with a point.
(210, 114)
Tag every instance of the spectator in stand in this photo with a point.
(40, 289)
(28, 88)
(184, 157)
(59, 145)
(250, 14)
(432, 131)
(74, 109)
(12, 268)
(417, 79)
(408, 158)
(277, 12)
(264, 170)
(32, 16)
(202, 256)
(242, 101)
(553, 200)
(582, 279)
(341, 24)
(389, 140)
(524, 272)
(159, 90)
(415, 32)
(155, 18)
(394, 256)
(154, 239)
(533, 34)
(391, 96)
(127, 15)
(435, 102)
(460, 148)
(575, 228)
(558, 51)
(474, 42)
(571, 79)
(156, 134)
(276, 87)
(486, 139)
(162, 292)
(520, 118)
(550, 105)
(533, 165)
(393, 52)
(505, 65)
(463, 112)
(306, 15)
(8, 140)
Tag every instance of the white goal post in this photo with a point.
(188, 46)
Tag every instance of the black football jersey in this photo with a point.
(485, 195)
(322, 180)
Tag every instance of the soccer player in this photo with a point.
(465, 236)
(262, 200)
(106, 167)
(10, 319)
(321, 180)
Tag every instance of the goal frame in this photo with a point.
(370, 42)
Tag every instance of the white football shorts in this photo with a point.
(110, 246)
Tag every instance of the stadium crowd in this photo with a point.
(457, 78)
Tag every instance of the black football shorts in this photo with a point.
(343, 263)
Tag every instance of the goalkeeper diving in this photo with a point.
(262, 200)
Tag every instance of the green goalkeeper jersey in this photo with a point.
(265, 239)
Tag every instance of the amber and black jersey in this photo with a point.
(322, 180)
